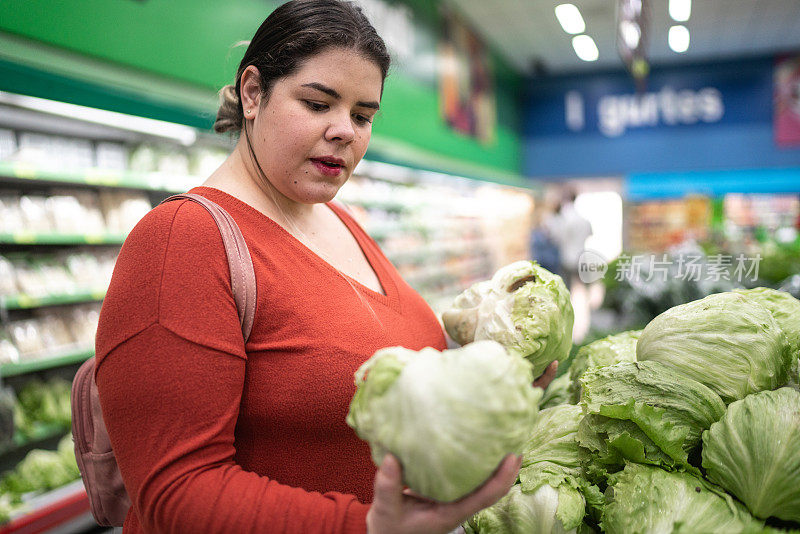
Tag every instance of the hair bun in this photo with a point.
(229, 115)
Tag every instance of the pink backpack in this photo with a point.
(107, 496)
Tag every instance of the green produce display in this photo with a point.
(7, 409)
(449, 417)
(784, 308)
(40, 471)
(649, 500)
(557, 392)
(552, 455)
(545, 511)
(602, 353)
(754, 452)
(670, 409)
(726, 341)
(524, 307)
(691, 425)
(43, 403)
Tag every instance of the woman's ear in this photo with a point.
(250, 87)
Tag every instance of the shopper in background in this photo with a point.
(210, 434)
(570, 230)
(543, 248)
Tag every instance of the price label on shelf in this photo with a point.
(94, 239)
(103, 177)
(24, 237)
(25, 301)
(24, 170)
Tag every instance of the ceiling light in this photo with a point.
(585, 48)
(679, 39)
(177, 132)
(630, 33)
(680, 10)
(570, 18)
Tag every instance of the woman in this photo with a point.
(212, 435)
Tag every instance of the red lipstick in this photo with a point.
(328, 165)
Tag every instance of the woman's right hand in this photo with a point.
(395, 511)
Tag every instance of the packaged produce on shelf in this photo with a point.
(75, 211)
(143, 158)
(54, 152)
(64, 273)
(36, 217)
(203, 161)
(111, 156)
(54, 331)
(11, 218)
(123, 209)
(8, 351)
(26, 338)
(8, 283)
(91, 269)
(8, 144)
(83, 323)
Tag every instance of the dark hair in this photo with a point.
(291, 34)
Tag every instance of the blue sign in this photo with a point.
(703, 117)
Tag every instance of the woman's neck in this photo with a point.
(239, 176)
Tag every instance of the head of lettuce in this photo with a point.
(726, 341)
(449, 417)
(524, 307)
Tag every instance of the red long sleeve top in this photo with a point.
(212, 435)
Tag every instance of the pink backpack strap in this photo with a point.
(243, 278)
(109, 502)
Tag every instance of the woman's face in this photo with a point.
(316, 124)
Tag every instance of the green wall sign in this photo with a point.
(174, 55)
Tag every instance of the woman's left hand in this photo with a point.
(398, 511)
(547, 377)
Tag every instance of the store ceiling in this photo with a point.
(527, 32)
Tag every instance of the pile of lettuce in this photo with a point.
(41, 470)
(689, 425)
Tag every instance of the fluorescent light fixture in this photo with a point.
(679, 39)
(630, 33)
(585, 48)
(570, 19)
(680, 10)
(177, 132)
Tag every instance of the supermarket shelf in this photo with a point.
(53, 238)
(384, 204)
(41, 432)
(23, 302)
(29, 366)
(97, 177)
(65, 509)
